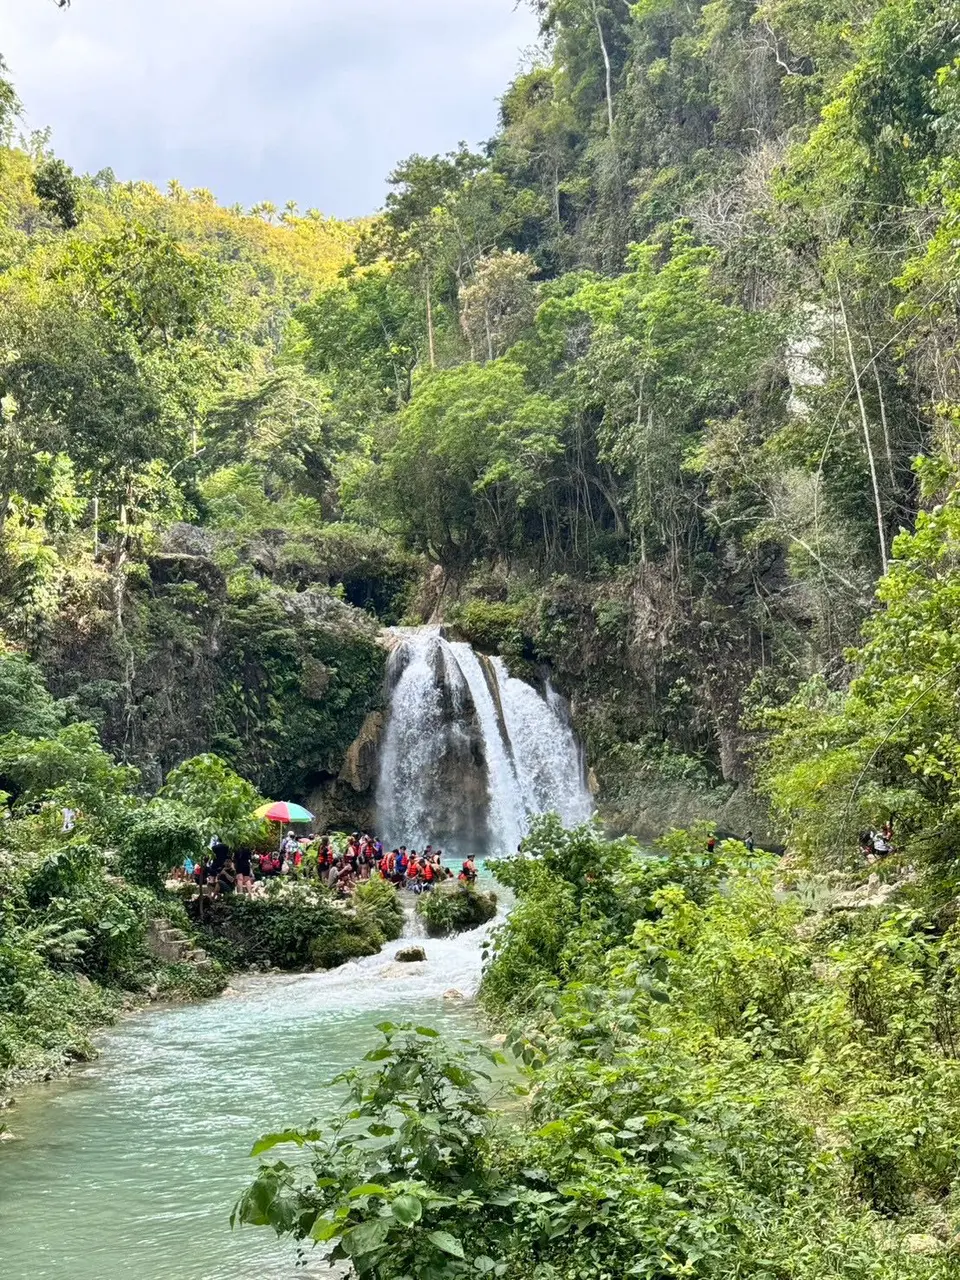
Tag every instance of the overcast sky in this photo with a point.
(306, 100)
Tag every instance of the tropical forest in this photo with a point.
(480, 682)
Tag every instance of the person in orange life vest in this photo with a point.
(468, 873)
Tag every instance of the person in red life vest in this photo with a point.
(428, 875)
(468, 872)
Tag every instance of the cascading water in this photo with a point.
(470, 752)
(548, 758)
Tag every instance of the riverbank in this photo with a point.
(177, 958)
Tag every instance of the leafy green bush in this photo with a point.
(299, 926)
(376, 904)
(406, 1202)
(159, 837)
(454, 909)
(221, 802)
(70, 768)
(718, 1087)
(26, 705)
(494, 627)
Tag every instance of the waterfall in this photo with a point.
(548, 758)
(471, 753)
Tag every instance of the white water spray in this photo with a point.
(471, 753)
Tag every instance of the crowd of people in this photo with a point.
(224, 871)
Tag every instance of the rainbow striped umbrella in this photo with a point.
(283, 812)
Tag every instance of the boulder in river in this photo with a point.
(410, 955)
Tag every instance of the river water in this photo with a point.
(130, 1167)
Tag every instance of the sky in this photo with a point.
(306, 100)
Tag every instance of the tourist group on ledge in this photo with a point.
(316, 857)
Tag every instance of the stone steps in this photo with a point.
(172, 946)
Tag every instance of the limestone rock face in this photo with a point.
(362, 759)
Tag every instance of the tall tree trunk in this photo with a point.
(865, 422)
(430, 340)
(608, 70)
(888, 447)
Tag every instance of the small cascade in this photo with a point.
(548, 758)
(470, 753)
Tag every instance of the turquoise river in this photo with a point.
(128, 1169)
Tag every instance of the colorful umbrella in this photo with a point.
(283, 812)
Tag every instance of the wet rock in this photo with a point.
(410, 955)
(397, 971)
(453, 994)
(360, 765)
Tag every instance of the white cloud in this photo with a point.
(308, 100)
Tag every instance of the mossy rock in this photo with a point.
(411, 955)
(341, 947)
(448, 910)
